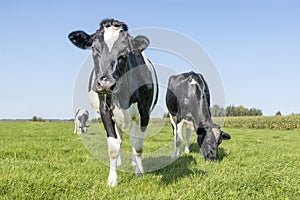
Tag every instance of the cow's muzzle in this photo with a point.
(211, 158)
(105, 85)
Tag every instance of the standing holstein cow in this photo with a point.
(123, 87)
(188, 101)
(80, 121)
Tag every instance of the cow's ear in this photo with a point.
(225, 136)
(81, 39)
(139, 43)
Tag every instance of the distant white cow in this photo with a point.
(81, 118)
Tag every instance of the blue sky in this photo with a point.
(255, 46)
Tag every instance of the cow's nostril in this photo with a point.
(105, 84)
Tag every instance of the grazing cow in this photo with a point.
(80, 121)
(123, 87)
(188, 100)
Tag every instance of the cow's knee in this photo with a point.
(137, 140)
(178, 141)
(113, 147)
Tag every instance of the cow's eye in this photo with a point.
(95, 50)
(113, 64)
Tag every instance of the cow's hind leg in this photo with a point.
(114, 152)
(137, 142)
(177, 139)
(174, 155)
(119, 137)
(187, 140)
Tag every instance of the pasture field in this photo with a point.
(45, 160)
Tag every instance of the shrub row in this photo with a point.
(290, 122)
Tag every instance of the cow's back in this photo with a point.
(184, 94)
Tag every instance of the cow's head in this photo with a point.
(209, 139)
(83, 128)
(110, 45)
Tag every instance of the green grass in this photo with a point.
(47, 161)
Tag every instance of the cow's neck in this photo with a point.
(129, 83)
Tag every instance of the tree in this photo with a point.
(217, 111)
(36, 119)
(278, 113)
(240, 110)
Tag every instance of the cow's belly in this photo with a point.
(123, 118)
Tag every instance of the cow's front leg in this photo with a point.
(75, 126)
(137, 142)
(114, 152)
(177, 139)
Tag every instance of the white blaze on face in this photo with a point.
(111, 34)
(193, 82)
(216, 133)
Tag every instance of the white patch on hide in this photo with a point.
(123, 118)
(216, 133)
(111, 34)
(94, 100)
(193, 82)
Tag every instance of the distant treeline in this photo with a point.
(37, 119)
(218, 111)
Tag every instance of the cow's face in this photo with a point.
(110, 45)
(209, 140)
(83, 128)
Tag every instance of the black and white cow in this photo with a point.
(123, 87)
(80, 120)
(188, 101)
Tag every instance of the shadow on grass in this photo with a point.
(90, 133)
(178, 170)
(221, 154)
(194, 148)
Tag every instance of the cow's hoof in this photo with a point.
(186, 150)
(112, 181)
(175, 155)
(138, 175)
(138, 171)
